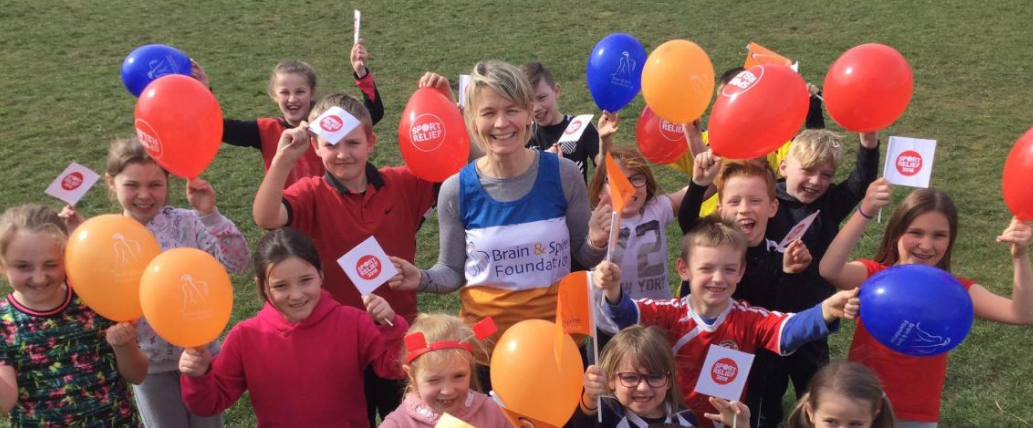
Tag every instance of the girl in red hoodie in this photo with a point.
(302, 357)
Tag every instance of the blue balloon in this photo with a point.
(916, 310)
(614, 71)
(149, 62)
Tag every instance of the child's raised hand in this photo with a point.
(843, 304)
(728, 412)
(358, 59)
(194, 361)
(197, 72)
(705, 168)
(869, 140)
(556, 148)
(1017, 234)
(437, 81)
(595, 384)
(813, 90)
(609, 124)
(121, 334)
(796, 258)
(878, 196)
(599, 223)
(294, 143)
(378, 308)
(201, 196)
(408, 277)
(71, 217)
(607, 277)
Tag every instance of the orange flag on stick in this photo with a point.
(757, 54)
(573, 312)
(621, 191)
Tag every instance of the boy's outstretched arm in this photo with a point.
(268, 209)
(818, 321)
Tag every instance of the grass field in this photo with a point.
(64, 102)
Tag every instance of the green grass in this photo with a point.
(63, 102)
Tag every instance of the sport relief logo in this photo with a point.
(742, 82)
(724, 371)
(368, 267)
(72, 181)
(427, 132)
(909, 163)
(625, 74)
(331, 123)
(672, 131)
(573, 127)
(149, 138)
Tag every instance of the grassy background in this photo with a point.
(63, 102)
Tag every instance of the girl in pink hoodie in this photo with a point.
(303, 356)
(439, 360)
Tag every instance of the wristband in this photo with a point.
(869, 217)
(585, 405)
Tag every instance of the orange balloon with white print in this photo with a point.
(186, 296)
(528, 379)
(104, 259)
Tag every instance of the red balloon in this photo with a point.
(868, 87)
(758, 111)
(179, 122)
(660, 141)
(1018, 169)
(432, 136)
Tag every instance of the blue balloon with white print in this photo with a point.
(147, 63)
(614, 71)
(916, 310)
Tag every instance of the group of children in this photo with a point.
(62, 365)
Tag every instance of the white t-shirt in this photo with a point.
(642, 251)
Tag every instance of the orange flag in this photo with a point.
(757, 54)
(573, 314)
(620, 188)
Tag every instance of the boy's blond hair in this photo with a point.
(347, 102)
(711, 232)
(817, 147)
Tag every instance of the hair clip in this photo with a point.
(416, 343)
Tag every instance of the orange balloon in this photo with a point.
(678, 81)
(186, 297)
(527, 378)
(104, 259)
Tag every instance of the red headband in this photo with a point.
(416, 343)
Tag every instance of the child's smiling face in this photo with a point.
(443, 387)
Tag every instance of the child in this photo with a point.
(922, 230)
(302, 357)
(807, 189)
(55, 368)
(550, 123)
(637, 367)
(712, 262)
(141, 187)
(343, 208)
(642, 242)
(441, 374)
(292, 85)
(843, 394)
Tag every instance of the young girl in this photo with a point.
(55, 369)
(441, 370)
(842, 394)
(922, 230)
(292, 86)
(302, 357)
(642, 242)
(141, 187)
(637, 367)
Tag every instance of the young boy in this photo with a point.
(807, 189)
(351, 202)
(713, 262)
(550, 123)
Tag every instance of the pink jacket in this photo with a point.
(479, 410)
(308, 374)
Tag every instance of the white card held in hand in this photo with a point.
(909, 161)
(367, 266)
(464, 81)
(572, 134)
(72, 183)
(724, 373)
(357, 21)
(333, 124)
(797, 231)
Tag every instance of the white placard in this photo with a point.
(333, 124)
(357, 21)
(909, 161)
(72, 183)
(368, 266)
(464, 81)
(572, 134)
(797, 231)
(724, 373)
